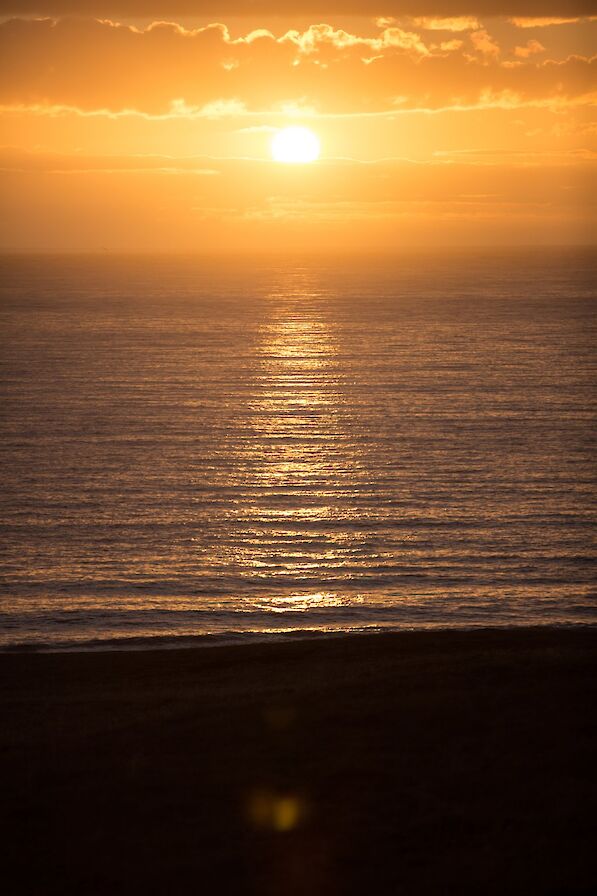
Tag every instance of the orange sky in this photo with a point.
(148, 125)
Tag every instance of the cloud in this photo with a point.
(246, 182)
(446, 163)
(450, 46)
(485, 44)
(16, 159)
(458, 23)
(178, 109)
(165, 70)
(538, 22)
(319, 37)
(531, 48)
(157, 201)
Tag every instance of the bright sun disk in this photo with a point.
(295, 144)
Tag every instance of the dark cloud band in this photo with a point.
(218, 8)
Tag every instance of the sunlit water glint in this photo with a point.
(202, 449)
(296, 462)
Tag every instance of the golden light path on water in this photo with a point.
(303, 456)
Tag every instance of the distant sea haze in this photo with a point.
(241, 448)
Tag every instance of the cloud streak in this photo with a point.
(256, 203)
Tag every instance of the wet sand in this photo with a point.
(440, 763)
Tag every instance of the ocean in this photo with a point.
(209, 450)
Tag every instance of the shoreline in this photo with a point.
(415, 762)
(150, 643)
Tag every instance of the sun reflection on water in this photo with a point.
(297, 459)
(302, 602)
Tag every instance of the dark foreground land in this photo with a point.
(441, 763)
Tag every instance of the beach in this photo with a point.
(413, 762)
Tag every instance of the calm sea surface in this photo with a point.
(224, 448)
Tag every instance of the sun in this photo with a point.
(295, 144)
